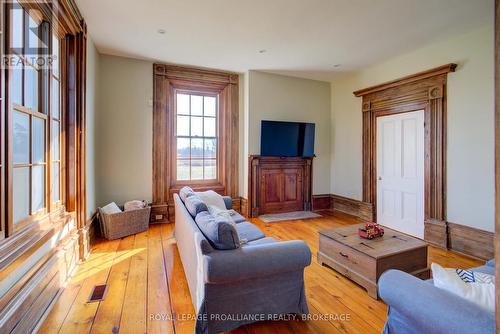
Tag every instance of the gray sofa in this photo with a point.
(417, 306)
(260, 280)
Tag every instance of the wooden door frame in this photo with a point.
(497, 161)
(422, 91)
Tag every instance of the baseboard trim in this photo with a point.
(353, 207)
(321, 202)
(471, 241)
(436, 233)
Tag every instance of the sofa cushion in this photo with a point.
(195, 205)
(185, 192)
(237, 218)
(220, 232)
(249, 232)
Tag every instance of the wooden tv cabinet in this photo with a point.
(279, 184)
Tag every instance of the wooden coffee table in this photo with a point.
(363, 261)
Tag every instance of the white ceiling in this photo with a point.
(304, 38)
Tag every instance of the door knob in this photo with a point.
(380, 178)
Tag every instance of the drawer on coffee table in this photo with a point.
(353, 260)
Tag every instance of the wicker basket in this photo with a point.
(122, 224)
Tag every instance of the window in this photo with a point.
(35, 115)
(55, 115)
(195, 131)
(28, 117)
(196, 136)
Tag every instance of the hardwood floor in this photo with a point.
(148, 292)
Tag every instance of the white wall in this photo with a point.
(91, 103)
(282, 98)
(124, 127)
(470, 130)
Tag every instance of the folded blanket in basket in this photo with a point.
(134, 205)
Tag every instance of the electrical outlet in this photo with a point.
(158, 217)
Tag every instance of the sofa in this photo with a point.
(260, 280)
(417, 306)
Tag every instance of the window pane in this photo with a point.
(55, 99)
(196, 105)
(38, 140)
(210, 148)
(38, 188)
(210, 103)
(20, 193)
(210, 169)
(183, 125)
(196, 169)
(34, 29)
(55, 53)
(182, 104)
(182, 169)
(197, 148)
(55, 140)
(17, 26)
(21, 137)
(197, 126)
(55, 181)
(16, 93)
(210, 127)
(183, 147)
(31, 88)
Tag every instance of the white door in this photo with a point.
(400, 172)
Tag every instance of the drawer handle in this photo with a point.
(344, 255)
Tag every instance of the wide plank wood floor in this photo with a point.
(148, 292)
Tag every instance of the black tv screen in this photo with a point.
(287, 139)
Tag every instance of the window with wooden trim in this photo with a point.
(195, 136)
(195, 131)
(33, 122)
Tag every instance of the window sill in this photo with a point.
(21, 245)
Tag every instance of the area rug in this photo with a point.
(296, 215)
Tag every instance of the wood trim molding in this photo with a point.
(322, 202)
(159, 214)
(168, 77)
(244, 207)
(23, 307)
(436, 233)
(471, 241)
(17, 248)
(444, 69)
(353, 207)
(422, 91)
(497, 161)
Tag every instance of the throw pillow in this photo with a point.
(476, 287)
(195, 205)
(185, 192)
(210, 197)
(220, 232)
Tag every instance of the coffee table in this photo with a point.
(363, 260)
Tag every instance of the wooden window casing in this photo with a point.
(168, 81)
(58, 20)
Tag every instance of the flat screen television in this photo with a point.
(287, 139)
